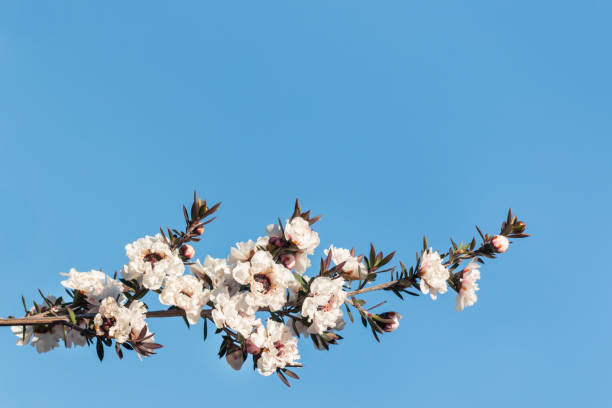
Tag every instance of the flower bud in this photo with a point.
(276, 241)
(187, 251)
(288, 260)
(235, 359)
(394, 324)
(199, 230)
(251, 348)
(330, 337)
(500, 243)
(519, 227)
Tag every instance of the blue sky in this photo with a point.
(392, 119)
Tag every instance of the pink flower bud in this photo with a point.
(276, 241)
(500, 243)
(391, 326)
(199, 230)
(187, 251)
(288, 260)
(251, 348)
(235, 359)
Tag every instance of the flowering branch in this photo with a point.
(266, 275)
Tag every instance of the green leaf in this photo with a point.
(72, 316)
(350, 315)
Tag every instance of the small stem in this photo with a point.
(373, 288)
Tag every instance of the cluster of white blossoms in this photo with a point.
(434, 276)
(265, 277)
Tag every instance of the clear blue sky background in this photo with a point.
(392, 119)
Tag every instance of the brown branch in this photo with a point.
(34, 320)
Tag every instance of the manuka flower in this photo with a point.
(118, 322)
(235, 312)
(298, 232)
(433, 274)
(467, 293)
(152, 260)
(94, 286)
(353, 268)
(322, 306)
(267, 280)
(278, 348)
(187, 293)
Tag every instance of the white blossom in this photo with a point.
(219, 273)
(322, 306)
(117, 321)
(74, 338)
(236, 312)
(299, 233)
(274, 230)
(243, 252)
(278, 347)
(47, 340)
(433, 274)
(267, 280)
(44, 337)
(152, 260)
(467, 293)
(94, 285)
(187, 293)
(353, 269)
(22, 339)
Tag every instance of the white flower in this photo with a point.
(278, 347)
(94, 285)
(299, 233)
(322, 306)
(467, 293)
(74, 338)
(48, 339)
(353, 269)
(274, 230)
(118, 322)
(219, 274)
(302, 263)
(267, 280)
(152, 260)
(433, 274)
(22, 339)
(243, 252)
(187, 293)
(44, 337)
(236, 312)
